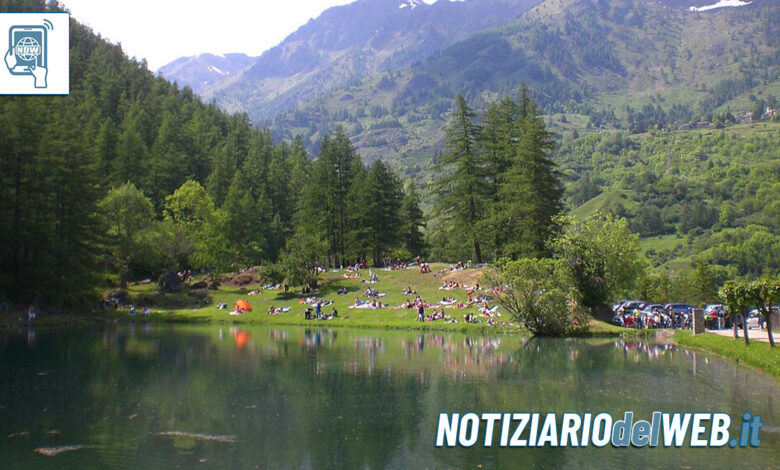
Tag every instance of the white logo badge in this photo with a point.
(36, 55)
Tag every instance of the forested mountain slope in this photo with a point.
(346, 44)
(61, 155)
(589, 59)
(709, 196)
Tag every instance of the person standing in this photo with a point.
(421, 312)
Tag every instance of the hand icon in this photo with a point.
(40, 76)
(10, 59)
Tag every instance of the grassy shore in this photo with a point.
(389, 282)
(187, 307)
(758, 354)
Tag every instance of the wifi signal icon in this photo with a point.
(48, 24)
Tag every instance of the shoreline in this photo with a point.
(758, 355)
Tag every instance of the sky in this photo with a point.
(164, 30)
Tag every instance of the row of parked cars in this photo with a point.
(641, 314)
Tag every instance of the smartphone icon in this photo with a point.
(29, 46)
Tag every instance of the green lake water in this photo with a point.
(192, 397)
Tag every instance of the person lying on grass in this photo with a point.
(369, 292)
(276, 311)
(371, 305)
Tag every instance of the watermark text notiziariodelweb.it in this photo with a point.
(595, 429)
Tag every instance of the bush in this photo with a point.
(540, 294)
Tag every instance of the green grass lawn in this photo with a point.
(390, 282)
(604, 201)
(662, 242)
(758, 354)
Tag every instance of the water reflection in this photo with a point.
(335, 398)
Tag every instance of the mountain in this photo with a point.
(594, 63)
(201, 71)
(343, 46)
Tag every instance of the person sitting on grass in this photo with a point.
(342, 291)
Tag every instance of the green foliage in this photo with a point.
(460, 188)
(714, 193)
(247, 222)
(603, 255)
(302, 258)
(412, 221)
(122, 124)
(212, 246)
(765, 293)
(190, 206)
(128, 214)
(272, 274)
(624, 64)
(499, 187)
(741, 295)
(530, 195)
(540, 294)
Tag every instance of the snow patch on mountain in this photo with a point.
(721, 4)
(217, 70)
(412, 4)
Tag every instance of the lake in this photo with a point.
(191, 397)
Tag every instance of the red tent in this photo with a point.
(243, 306)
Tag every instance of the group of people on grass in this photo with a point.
(319, 314)
(315, 305)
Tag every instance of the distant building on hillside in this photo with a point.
(745, 118)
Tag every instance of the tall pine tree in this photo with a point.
(461, 190)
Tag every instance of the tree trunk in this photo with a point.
(769, 328)
(745, 329)
(734, 326)
(477, 252)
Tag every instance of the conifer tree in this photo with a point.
(461, 190)
(531, 194)
(412, 221)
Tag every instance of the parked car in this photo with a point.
(715, 317)
(754, 320)
(617, 305)
(631, 305)
(652, 308)
(679, 309)
(714, 310)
